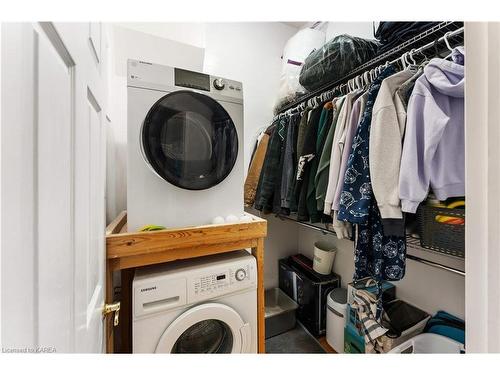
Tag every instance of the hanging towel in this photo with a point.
(365, 306)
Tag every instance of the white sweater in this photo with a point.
(386, 134)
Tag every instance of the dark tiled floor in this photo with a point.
(296, 340)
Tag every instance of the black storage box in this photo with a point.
(310, 290)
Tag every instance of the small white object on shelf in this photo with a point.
(245, 218)
(218, 220)
(231, 219)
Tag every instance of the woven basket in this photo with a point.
(443, 238)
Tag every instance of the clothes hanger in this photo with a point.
(360, 82)
(403, 59)
(445, 37)
(407, 60)
(365, 80)
(411, 56)
(414, 65)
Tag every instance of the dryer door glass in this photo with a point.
(189, 140)
(207, 336)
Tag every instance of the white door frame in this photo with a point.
(482, 146)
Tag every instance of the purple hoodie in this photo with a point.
(434, 145)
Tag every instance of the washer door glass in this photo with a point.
(207, 336)
(189, 140)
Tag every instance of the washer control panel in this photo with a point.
(221, 281)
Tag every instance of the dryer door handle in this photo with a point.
(246, 338)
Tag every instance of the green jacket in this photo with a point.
(321, 179)
(324, 125)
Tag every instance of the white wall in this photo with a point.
(250, 53)
(192, 33)
(359, 29)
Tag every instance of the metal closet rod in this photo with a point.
(434, 264)
(307, 225)
(326, 92)
(326, 231)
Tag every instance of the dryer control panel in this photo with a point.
(143, 74)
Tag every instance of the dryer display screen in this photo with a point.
(194, 80)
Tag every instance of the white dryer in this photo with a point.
(204, 305)
(185, 146)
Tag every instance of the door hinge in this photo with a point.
(112, 308)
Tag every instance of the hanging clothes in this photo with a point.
(358, 109)
(269, 173)
(386, 137)
(324, 124)
(434, 146)
(304, 164)
(282, 132)
(377, 256)
(255, 168)
(321, 179)
(336, 153)
(289, 166)
(343, 229)
(356, 195)
(302, 130)
(405, 90)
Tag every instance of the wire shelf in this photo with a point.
(415, 252)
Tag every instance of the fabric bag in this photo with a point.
(448, 325)
(335, 59)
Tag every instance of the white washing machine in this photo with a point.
(185, 146)
(204, 305)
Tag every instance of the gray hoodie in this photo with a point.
(434, 145)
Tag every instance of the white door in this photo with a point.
(53, 184)
(206, 328)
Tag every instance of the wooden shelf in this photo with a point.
(127, 250)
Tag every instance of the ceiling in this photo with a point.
(297, 25)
